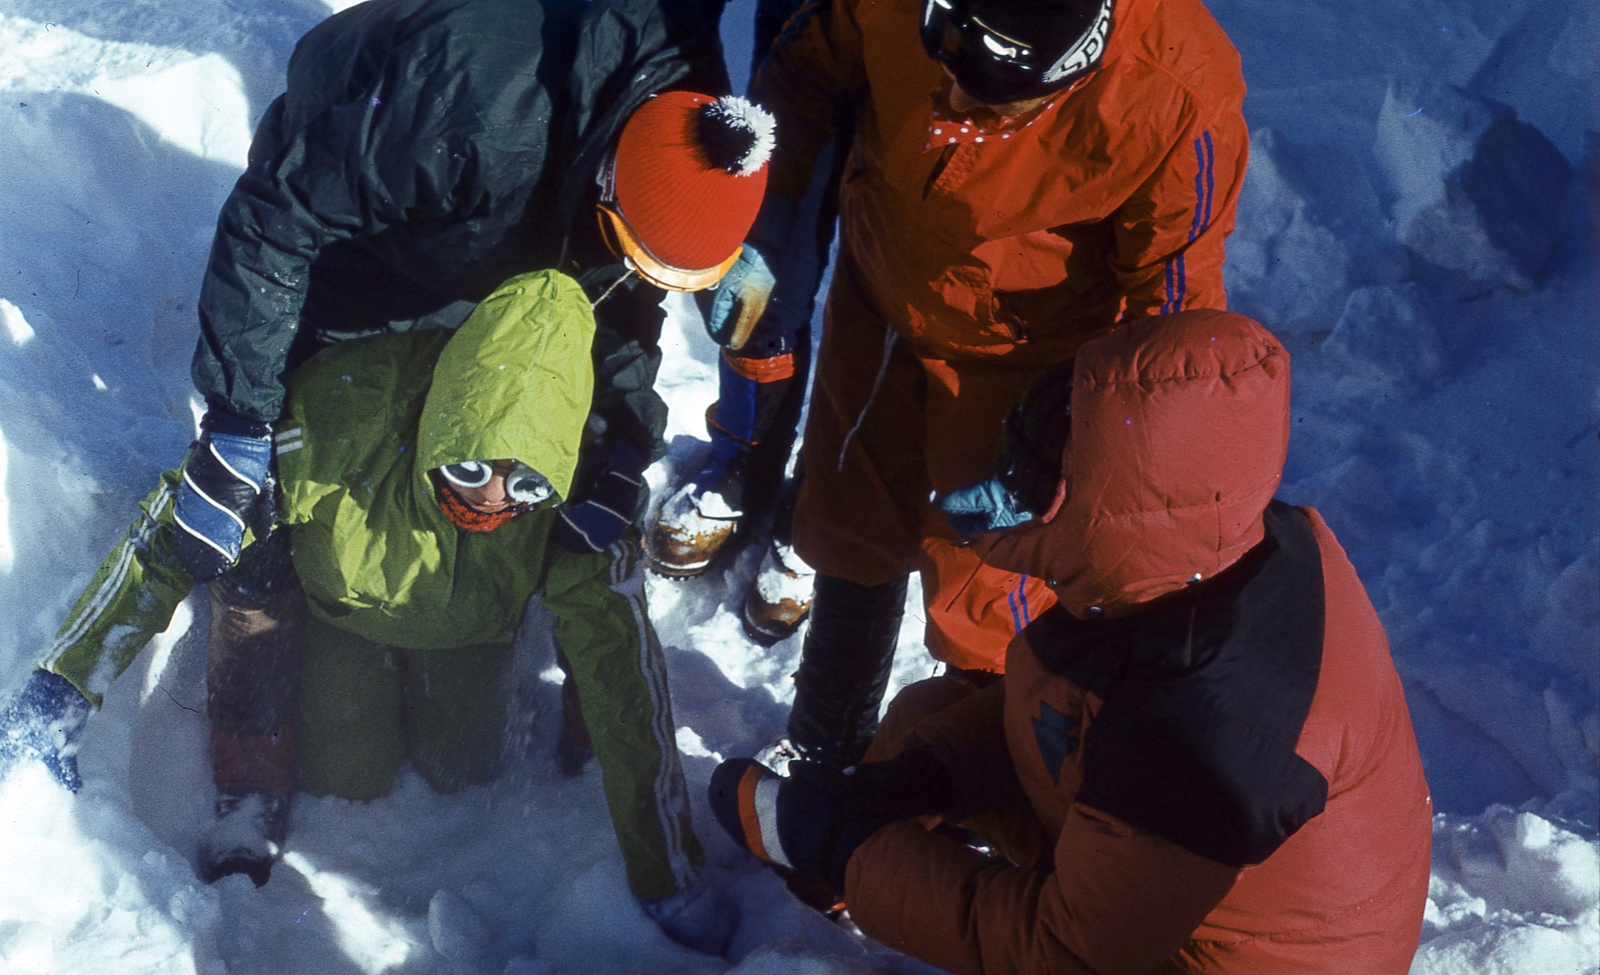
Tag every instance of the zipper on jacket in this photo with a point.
(455, 569)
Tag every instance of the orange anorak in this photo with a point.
(976, 251)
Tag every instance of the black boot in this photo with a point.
(844, 668)
(248, 835)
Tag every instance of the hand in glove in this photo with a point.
(227, 486)
(609, 505)
(1028, 471)
(44, 722)
(813, 821)
(983, 507)
(736, 303)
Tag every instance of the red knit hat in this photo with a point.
(685, 184)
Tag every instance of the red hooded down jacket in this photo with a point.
(1208, 732)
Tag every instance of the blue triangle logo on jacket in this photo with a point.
(1053, 731)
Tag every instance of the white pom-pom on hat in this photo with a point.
(738, 135)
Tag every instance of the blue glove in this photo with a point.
(983, 507)
(738, 300)
(44, 722)
(595, 523)
(226, 486)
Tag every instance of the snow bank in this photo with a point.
(1512, 892)
(1451, 442)
(1478, 196)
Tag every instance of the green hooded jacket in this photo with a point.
(366, 421)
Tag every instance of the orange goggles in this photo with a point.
(627, 246)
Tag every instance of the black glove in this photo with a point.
(821, 820)
(824, 814)
(608, 506)
(819, 815)
(227, 486)
(1032, 439)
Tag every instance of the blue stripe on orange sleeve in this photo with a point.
(1205, 184)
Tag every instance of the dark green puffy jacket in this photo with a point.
(424, 152)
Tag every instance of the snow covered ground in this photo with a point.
(1426, 255)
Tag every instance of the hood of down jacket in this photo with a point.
(366, 421)
(1180, 426)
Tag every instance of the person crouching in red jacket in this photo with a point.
(1199, 761)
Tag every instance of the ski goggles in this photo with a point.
(524, 485)
(626, 245)
(997, 68)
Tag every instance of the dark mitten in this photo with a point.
(812, 822)
(227, 486)
(609, 504)
(822, 819)
(913, 783)
(1033, 438)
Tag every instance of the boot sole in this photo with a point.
(676, 571)
(764, 636)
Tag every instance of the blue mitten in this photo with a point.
(983, 507)
(44, 722)
(735, 305)
(226, 487)
(595, 523)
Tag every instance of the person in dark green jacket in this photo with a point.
(420, 478)
(424, 152)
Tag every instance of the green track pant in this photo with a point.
(601, 626)
(130, 599)
(364, 707)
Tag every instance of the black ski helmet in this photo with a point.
(1010, 50)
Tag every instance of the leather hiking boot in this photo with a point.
(694, 527)
(779, 598)
(247, 837)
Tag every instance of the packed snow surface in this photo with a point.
(1416, 226)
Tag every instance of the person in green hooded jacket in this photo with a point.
(419, 480)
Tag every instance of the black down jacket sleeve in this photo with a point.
(386, 153)
(447, 145)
